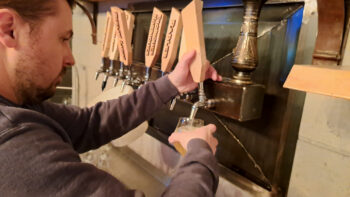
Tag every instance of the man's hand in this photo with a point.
(181, 77)
(205, 133)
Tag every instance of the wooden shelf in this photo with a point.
(327, 80)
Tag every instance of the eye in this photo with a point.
(66, 39)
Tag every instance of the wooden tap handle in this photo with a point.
(155, 36)
(172, 39)
(124, 45)
(130, 22)
(114, 52)
(107, 36)
(183, 47)
(193, 30)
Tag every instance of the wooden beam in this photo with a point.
(327, 80)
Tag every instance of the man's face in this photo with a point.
(43, 55)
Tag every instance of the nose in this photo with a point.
(69, 59)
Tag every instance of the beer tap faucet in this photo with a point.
(202, 101)
(124, 40)
(106, 48)
(129, 78)
(154, 41)
(113, 57)
(121, 75)
(193, 28)
(183, 49)
(103, 68)
(130, 19)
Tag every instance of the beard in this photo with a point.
(26, 89)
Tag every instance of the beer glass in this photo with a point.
(186, 124)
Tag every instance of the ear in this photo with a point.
(7, 24)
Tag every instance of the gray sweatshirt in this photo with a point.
(40, 146)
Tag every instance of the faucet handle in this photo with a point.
(130, 23)
(172, 39)
(108, 34)
(122, 31)
(155, 37)
(192, 19)
(154, 41)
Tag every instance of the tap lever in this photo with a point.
(122, 31)
(108, 34)
(154, 41)
(171, 43)
(192, 19)
(106, 45)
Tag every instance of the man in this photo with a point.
(40, 141)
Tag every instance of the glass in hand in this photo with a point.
(186, 124)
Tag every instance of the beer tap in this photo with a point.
(154, 41)
(124, 41)
(129, 78)
(114, 56)
(184, 46)
(106, 48)
(172, 40)
(193, 28)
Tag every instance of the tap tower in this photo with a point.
(245, 55)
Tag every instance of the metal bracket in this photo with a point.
(92, 19)
(331, 17)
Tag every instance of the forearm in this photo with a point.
(47, 166)
(90, 128)
(197, 174)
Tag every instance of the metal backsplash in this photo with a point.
(269, 140)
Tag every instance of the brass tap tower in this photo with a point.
(245, 55)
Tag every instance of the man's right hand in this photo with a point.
(205, 133)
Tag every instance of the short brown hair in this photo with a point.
(32, 10)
